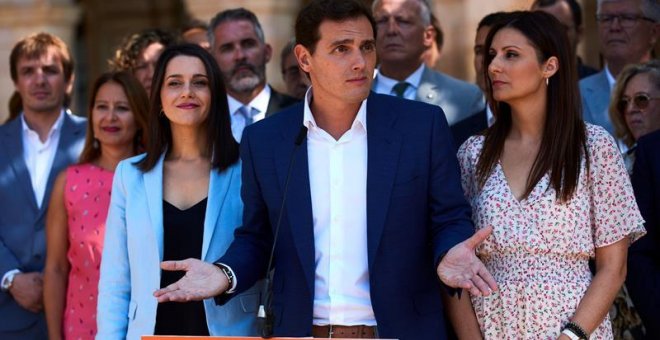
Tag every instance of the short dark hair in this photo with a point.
(563, 144)
(491, 19)
(137, 101)
(316, 12)
(128, 53)
(235, 14)
(576, 10)
(220, 143)
(194, 24)
(286, 50)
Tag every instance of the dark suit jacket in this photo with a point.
(469, 127)
(643, 281)
(278, 102)
(416, 212)
(22, 234)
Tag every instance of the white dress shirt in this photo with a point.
(39, 155)
(385, 85)
(257, 108)
(338, 186)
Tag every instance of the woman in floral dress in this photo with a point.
(554, 188)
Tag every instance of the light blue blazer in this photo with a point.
(133, 250)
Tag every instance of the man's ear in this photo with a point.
(69, 86)
(268, 52)
(429, 36)
(303, 56)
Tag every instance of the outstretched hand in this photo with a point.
(461, 268)
(202, 280)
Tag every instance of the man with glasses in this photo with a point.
(628, 31)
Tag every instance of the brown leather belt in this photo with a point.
(339, 332)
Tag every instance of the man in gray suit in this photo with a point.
(628, 31)
(37, 145)
(404, 33)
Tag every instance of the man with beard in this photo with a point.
(39, 143)
(238, 45)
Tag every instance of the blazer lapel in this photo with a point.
(384, 145)
(298, 199)
(13, 141)
(218, 188)
(153, 188)
(65, 155)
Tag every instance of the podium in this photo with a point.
(178, 337)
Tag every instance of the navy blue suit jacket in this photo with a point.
(643, 278)
(416, 212)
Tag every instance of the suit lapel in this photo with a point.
(598, 108)
(153, 188)
(65, 154)
(298, 201)
(428, 91)
(13, 141)
(218, 188)
(384, 146)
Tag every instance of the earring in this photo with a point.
(547, 81)
(95, 143)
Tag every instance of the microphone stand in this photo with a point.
(265, 312)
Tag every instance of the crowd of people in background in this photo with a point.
(376, 195)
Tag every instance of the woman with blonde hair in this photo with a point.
(635, 109)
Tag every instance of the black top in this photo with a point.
(182, 238)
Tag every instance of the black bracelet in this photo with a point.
(575, 328)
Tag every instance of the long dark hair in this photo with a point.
(220, 143)
(137, 101)
(564, 134)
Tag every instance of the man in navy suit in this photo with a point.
(37, 145)
(374, 210)
(644, 256)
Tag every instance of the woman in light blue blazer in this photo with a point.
(180, 199)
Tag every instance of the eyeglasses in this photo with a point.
(625, 20)
(641, 101)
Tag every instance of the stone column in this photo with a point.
(21, 18)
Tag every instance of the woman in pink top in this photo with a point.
(76, 217)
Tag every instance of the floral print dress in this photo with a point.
(539, 250)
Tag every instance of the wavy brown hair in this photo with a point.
(563, 144)
(137, 101)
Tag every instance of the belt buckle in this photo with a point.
(331, 332)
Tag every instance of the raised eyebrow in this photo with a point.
(342, 42)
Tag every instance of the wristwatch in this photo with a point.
(230, 276)
(8, 279)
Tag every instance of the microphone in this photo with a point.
(265, 312)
